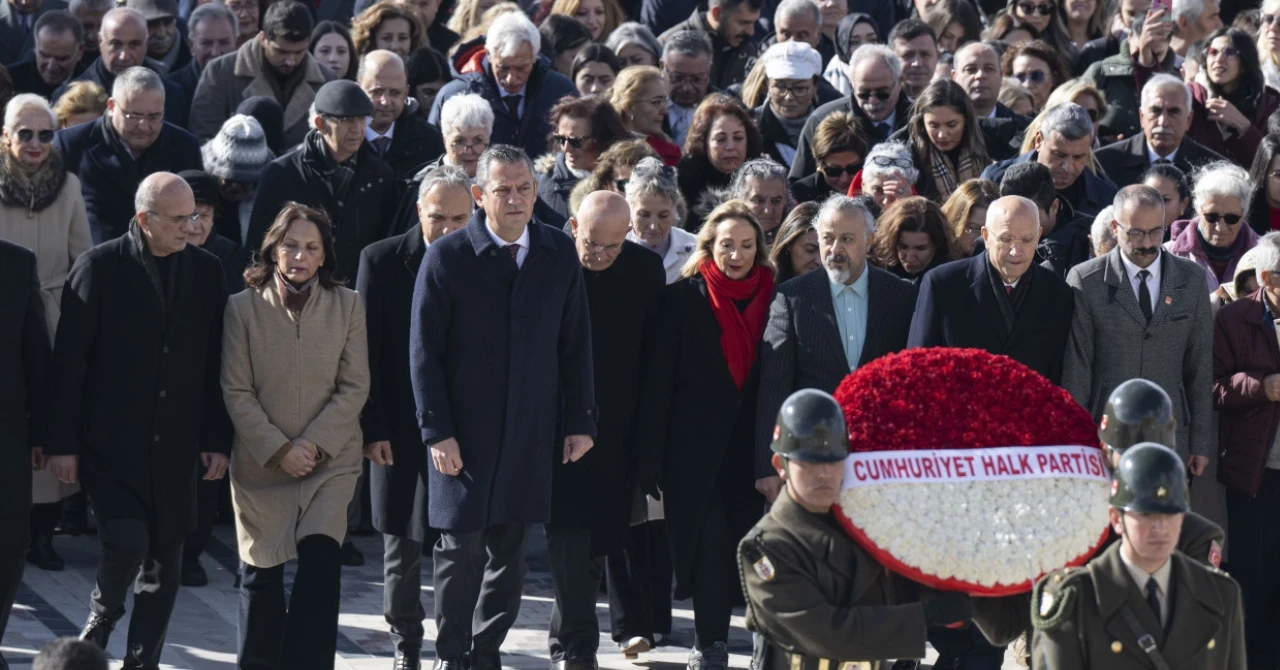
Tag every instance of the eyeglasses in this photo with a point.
(26, 135)
(1214, 218)
(1267, 19)
(1034, 76)
(887, 161)
(837, 170)
(574, 142)
(796, 91)
(178, 219)
(1093, 114)
(879, 93)
(1043, 9)
(139, 119)
(461, 144)
(597, 248)
(1136, 236)
(1227, 52)
(677, 79)
(1274, 174)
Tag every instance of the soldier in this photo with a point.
(1141, 601)
(817, 599)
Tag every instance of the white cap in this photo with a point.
(792, 60)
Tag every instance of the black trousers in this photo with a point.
(574, 633)
(1254, 529)
(130, 558)
(639, 579)
(45, 517)
(208, 499)
(13, 560)
(715, 577)
(478, 578)
(402, 594)
(303, 635)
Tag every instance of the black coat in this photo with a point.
(388, 270)
(25, 365)
(136, 377)
(186, 78)
(233, 257)
(362, 218)
(109, 177)
(15, 43)
(1126, 160)
(813, 188)
(694, 175)
(495, 354)
(625, 304)
(26, 79)
(1098, 192)
(805, 164)
(959, 307)
(177, 106)
(772, 132)
(554, 186)
(413, 143)
(1004, 132)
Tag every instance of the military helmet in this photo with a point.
(811, 428)
(1137, 411)
(1150, 479)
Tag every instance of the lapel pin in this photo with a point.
(1168, 300)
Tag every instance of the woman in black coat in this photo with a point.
(581, 129)
(713, 320)
(721, 138)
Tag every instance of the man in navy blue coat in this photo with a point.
(500, 348)
(1001, 300)
(129, 143)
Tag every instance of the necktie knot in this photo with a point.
(1008, 289)
(513, 249)
(381, 144)
(1144, 295)
(1143, 275)
(1163, 161)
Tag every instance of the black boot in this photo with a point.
(351, 556)
(42, 555)
(98, 630)
(407, 658)
(193, 574)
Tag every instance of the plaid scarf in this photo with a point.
(946, 177)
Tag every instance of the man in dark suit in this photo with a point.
(399, 135)
(17, 26)
(56, 57)
(24, 419)
(138, 405)
(398, 472)
(1001, 300)
(823, 325)
(499, 347)
(977, 69)
(131, 141)
(1165, 115)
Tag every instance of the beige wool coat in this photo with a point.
(284, 379)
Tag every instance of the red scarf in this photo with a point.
(740, 331)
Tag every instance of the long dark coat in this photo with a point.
(496, 353)
(24, 398)
(625, 303)
(555, 185)
(388, 270)
(413, 143)
(109, 179)
(136, 391)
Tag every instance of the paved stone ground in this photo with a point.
(202, 633)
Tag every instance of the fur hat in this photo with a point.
(239, 151)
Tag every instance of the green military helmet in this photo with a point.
(811, 428)
(1150, 479)
(1137, 411)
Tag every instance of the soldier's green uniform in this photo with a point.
(1096, 617)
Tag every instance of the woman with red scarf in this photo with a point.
(698, 444)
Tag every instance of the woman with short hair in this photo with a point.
(639, 95)
(1218, 236)
(581, 130)
(839, 149)
(1037, 65)
(792, 75)
(467, 122)
(656, 211)
(721, 138)
(887, 175)
(84, 101)
(912, 237)
(762, 184)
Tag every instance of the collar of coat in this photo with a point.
(250, 63)
(1193, 595)
(481, 242)
(33, 191)
(136, 247)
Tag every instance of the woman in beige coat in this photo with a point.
(295, 374)
(42, 210)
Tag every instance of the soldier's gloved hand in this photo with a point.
(649, 477)
(947, 609)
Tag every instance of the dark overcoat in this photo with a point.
(625, 301)
(1126, 161)
(496, 353)
(1099, 192)
(109, 178)
(177, 106)
(555, 185)
(24, 394)
(413, 143)
(136, 390)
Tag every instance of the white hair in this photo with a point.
(445, 176)
(839, 203)
(213, 10)
(21, 103)
(1221, 178)
(468, 110)
(869, 52)
(508, 32)
(1267, 254)
(895, 150)
(1101, 231)
(136, 80)
(1068, 120)
(790, 8)
(1191, 9)
(1162, 81)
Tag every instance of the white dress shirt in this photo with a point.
(1152, 156)
(370, 134)
(502, 244)
(1153, 282)
(1162, 577)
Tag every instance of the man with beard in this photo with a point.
(822, 325)
(1165, 115)
(58, 52)
(164, 45)
(17, 26)
(686, 66)
(730, 25)
(398, 134)
(213, 30)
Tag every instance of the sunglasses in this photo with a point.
(621, 185)
(880, 94)
(837, 170)
(575, 142)
(1034, 76)
(26, 134)
(1093, 115)
(1231, 219)
(1267, 19)
(1043, 9)
(1229, 52)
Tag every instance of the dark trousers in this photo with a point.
(1254, 529)
(45, 517)
(478, 578)
(402, 593)
(639, 579)
(130, 558)
(13, 560)
(303, 635)
(208, 498)
(574, 633)
(715, 577)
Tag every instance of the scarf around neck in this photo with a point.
(33, 190)
(740, 330)
(947, 175)
(295, 297)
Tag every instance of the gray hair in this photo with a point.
(382, 54)
(764, 169)
(651, 177)
(500, 154)
(1221, 178)
(445, 176)
(508, 32)
(136, 79)
(1162, 81)
(90, 5)
(1267, 254)
(838, 203)
(691, 43)
(1134, 196)
(144, 200)
(210, 11)
(1068, 120)
(868, 52)
(1101, 231)
(894, 150)
(1190, 9)
(468, 110)
(634, 33)
(792, 8)
(22, 102)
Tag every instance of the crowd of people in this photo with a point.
(561, 263)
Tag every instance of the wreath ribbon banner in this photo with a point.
(877, 468)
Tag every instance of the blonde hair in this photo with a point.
(731, 209)
(1067, 92)
(613, 15)
(465, 16)
(81, 97)
(487, 18)
(972, 194)
(626, 88)
(365, 26)
(755, 89)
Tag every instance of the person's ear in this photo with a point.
(1039, 140)
(779, 466)
(985, 239)
(477, 194)
(573, 227)
(715, 13)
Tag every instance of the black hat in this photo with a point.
(1151, 479)
(811, 428)
(155, 10)
(203, 185)
(342, 98)
(1137, 411)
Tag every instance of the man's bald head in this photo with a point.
(600, 229)
(1011, 233)
(123, 16)
(166, 209)
(382, 75)
(976, 68)
(123, 39)
(379, 61)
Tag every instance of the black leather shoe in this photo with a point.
(42, 555)
(193, 574)
(98, 630)
(448, 664)
(350, 556)
(407, 658)
(576, 664)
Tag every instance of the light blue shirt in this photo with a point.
(850, 303)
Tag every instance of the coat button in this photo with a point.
(156, 438)
(431, 414)
(493, 252)
(1116, 647)
(163, 394)
(165, 350)
(1212, 644)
